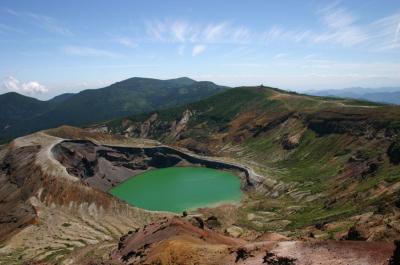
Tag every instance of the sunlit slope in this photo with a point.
(325, 158)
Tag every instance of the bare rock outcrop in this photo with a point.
(178, 241)
(104, 166)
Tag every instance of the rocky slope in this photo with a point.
(53, 202)
(313, 169)
(193, 241)
(46, 213)
(328, 164)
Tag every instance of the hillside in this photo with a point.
(328, 161)
(21, 115)
(317, 174)
(16, 107)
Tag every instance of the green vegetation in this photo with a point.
(329, 155)
(21, 115)
(313, 161)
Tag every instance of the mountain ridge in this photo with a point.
(389, 95)
(93, 105)
(326, 173)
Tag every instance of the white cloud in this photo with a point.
(341, 27)
(347, 37)
(197, 49)
(31, 87)
(241, 35)
(338, 17)
(214, 32)
(180, 31)
(278, 33)
(127, 42)
(47, 23)
(386, 32)
(89, 52)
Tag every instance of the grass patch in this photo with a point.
(313, 161)
(314, 214)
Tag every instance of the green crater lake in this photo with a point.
(176, 189)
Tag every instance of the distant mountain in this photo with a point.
(62, 97)
(16, 108)
(389, 95)
(21, 115)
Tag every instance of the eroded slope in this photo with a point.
(328, 164)
(46, 213)
(191, 241)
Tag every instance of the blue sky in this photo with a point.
(50, 47)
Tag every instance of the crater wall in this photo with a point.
(105, 166)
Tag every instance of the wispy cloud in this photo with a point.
(338, 27)
(278, 33)
(181, 31)
(197, 49)
(31, 87)
(89, 52)
(214, 32)
(387, 32)
(125, 41)
(337, 17)
(342, 27)
(47, 23)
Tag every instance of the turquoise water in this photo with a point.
(176, 189)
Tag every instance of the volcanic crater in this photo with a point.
(106, 166)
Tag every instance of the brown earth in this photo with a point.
(178, 241)
(45, 212)
(53, 207)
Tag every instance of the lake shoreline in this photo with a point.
(178, 189)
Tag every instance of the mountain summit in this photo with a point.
(21, 115)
